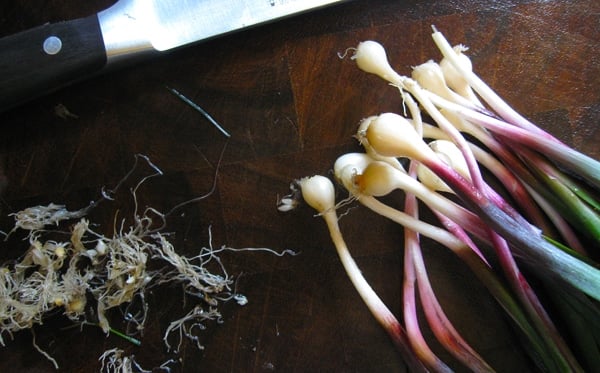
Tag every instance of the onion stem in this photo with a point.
(438, 321)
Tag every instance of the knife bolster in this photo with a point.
(124, 33)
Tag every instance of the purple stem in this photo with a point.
(411, 321)
(486, 92)
(516, 179)
(460, 233)
(411, 244)
(527, 239)
(518, 282)
(580, 163)
(529, 299)
(439, 323)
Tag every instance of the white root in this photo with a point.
(93, 271)
(185, 326)
(115, 361)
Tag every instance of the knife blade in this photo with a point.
(51, 56)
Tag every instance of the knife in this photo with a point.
(43, 59)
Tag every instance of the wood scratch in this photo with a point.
(210, 164)
(72, 163)
(263, 318)
(234, 346)
(251, 141)
(27, 169)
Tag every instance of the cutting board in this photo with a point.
(291, 102)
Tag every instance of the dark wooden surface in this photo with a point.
(292, 106)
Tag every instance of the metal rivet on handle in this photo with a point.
(52, 45)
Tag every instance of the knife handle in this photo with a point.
(48, 57)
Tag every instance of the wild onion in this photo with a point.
(319, 193)
(555, 213)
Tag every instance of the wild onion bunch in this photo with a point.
(535, 217)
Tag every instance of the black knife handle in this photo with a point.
(48, 57)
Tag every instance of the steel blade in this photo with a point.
(180, 22)
(138, 26)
